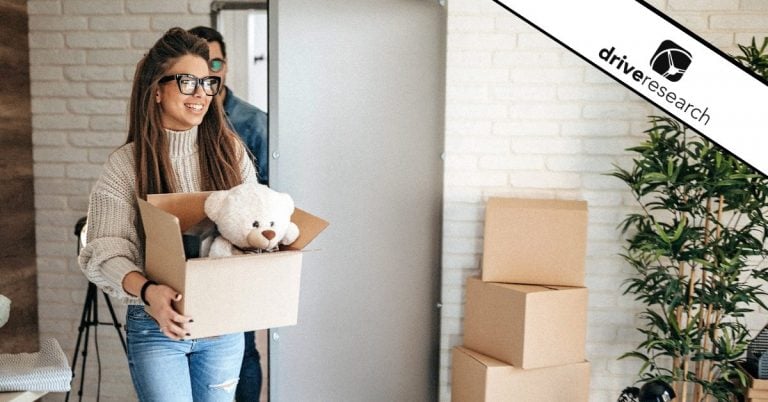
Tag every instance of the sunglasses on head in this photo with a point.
(188, 83)
(216, 64)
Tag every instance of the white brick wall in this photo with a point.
(526, 118)
(82, 56)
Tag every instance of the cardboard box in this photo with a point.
(754, 395)
(527, 326)
(758, 389)
(476, 377)
(541, 242)
(758, 385)
(229, 294)
(757, 394)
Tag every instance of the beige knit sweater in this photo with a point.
(113, 247)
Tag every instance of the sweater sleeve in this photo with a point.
(113, 245)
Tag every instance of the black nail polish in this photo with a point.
(188, 334)
(191, 320)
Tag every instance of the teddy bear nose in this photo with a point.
(269, 234)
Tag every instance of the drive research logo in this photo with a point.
(647, 84)
(671, 60)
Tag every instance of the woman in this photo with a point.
(178, 141)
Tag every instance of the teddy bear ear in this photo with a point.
(213, 204)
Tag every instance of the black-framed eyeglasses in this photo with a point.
(216, 64)
(188, 83)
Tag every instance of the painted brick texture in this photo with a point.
(82, 58)
(526, 118)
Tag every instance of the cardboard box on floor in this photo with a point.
(531, 241)
(229, 294)
(527, 326)
(479, 378)
(758, 389)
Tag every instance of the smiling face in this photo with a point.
(181, 112)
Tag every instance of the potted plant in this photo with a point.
(697, 246)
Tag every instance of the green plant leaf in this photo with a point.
(700, 210)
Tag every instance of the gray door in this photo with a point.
(356, 115)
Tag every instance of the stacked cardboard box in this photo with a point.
(757, 391)
(525, 319)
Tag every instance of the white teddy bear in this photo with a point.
(250, 217)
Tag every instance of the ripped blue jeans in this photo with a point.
(164, 370)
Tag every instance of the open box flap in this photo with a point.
(309, 227)
(163, 247)
(189, 208)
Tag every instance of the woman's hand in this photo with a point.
(172, 324)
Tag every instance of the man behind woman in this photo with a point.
(250, 123)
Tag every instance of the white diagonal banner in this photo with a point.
(664, 63)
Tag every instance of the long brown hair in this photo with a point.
(218, 147)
